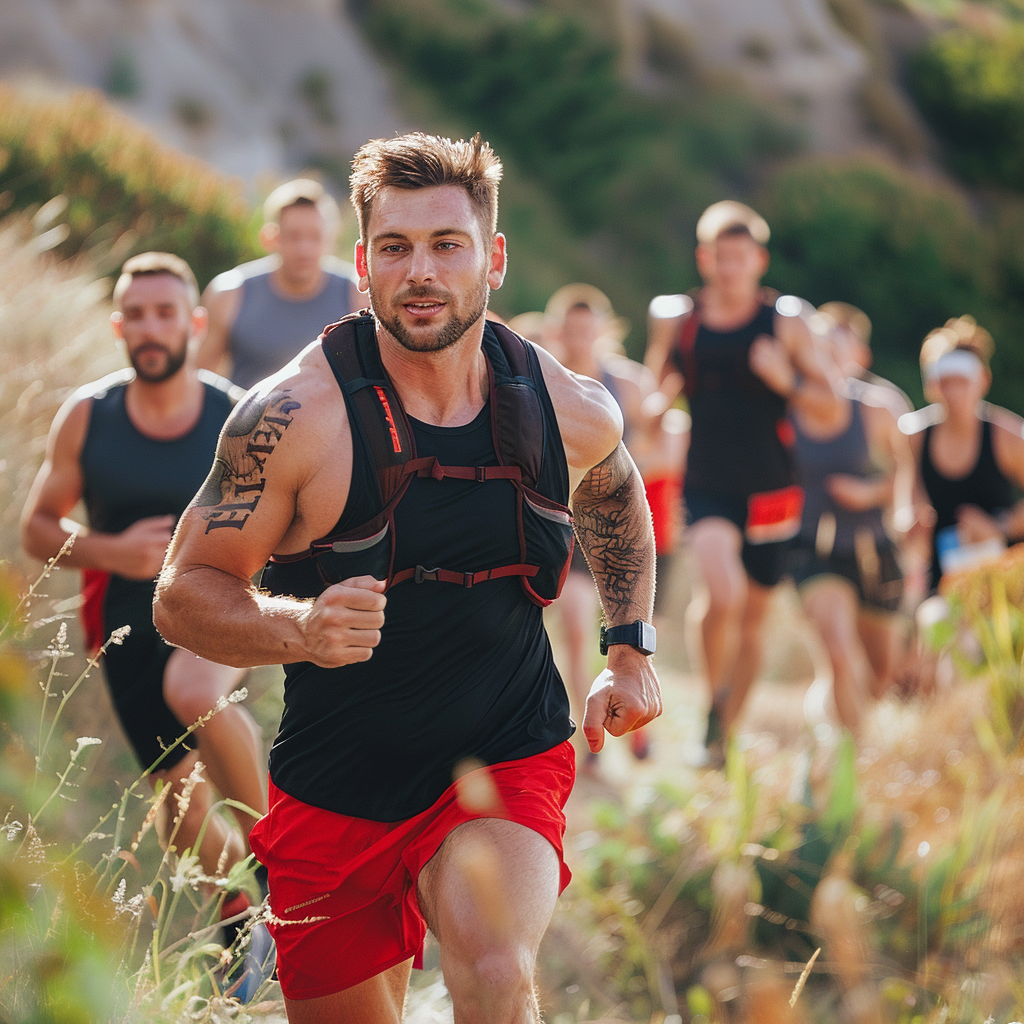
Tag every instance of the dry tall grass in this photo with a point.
(54, 336)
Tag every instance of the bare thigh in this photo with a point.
(379, 1000)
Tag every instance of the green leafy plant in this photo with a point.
(117, 180)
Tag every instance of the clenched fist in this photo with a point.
(343, 625)
(624, 697)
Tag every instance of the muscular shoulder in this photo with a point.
(589, 419)
(304, 391)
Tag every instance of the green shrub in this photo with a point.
(903, 248)
(117, 179)
(970, 87)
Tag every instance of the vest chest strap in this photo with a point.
(463, 579)
(429, 466)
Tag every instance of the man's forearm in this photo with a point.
(228, 621)
(613, 526)
(43, 536)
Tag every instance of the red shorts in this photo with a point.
(343, 890)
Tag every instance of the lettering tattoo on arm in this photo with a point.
(613, 527)
(233, 489)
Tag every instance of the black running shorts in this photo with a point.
(766, 564)
(135, 678)
(879, 588)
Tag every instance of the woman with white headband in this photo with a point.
(970, 453)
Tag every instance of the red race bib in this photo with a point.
(774, 515)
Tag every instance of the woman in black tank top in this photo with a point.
(970, 453)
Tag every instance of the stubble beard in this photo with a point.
(447, 335)
(175, 361)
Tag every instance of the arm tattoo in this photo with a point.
(233, 489)
(613, 526)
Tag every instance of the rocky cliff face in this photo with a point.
(257, 87)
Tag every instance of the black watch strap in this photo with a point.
(639, 634)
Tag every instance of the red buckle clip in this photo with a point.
(481, 474)
(467, 580)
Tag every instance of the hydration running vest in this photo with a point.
(544, 524)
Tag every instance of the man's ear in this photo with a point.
(268, 236)
(362, 267)
(499, 262)
(116, 322)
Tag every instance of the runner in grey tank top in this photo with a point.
(272, 328)
(851, 466)
(262, 314)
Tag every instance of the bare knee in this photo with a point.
(498, 981)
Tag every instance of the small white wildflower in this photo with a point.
(119, 634)
(238, 695)
(85, 741)
(118, 897)
(11, 829)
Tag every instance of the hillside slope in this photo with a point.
(258, 87)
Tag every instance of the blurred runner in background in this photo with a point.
(970, 453)
(135, 447)
(855, 467)
(744, 357)
(264, 313)
(585, 332)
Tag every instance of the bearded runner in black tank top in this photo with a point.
(458, 672)
(128, 476)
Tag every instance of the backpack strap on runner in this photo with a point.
(517, 418)
(350, 346)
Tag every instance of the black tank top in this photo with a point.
(128, 476)
(458, 672)
(739, 432)
(984, 486)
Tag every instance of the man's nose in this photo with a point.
(421, 264)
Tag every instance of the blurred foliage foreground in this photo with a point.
(893, 873)
(86, 932)
(898, 867)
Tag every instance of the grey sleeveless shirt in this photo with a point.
(271, 329)
(846, 453)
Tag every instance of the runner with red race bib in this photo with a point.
(743, 356)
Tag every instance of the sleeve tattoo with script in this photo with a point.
(233, 489)
(613, 526)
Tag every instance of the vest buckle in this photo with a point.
(420, 574)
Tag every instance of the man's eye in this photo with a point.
(447, 245)
(391, 248)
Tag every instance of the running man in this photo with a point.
(407, 480)
(135, 446)
(855, 466)
(970, 453)
(744, 357)
(262, 314)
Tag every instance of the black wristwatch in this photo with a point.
(639, 634)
